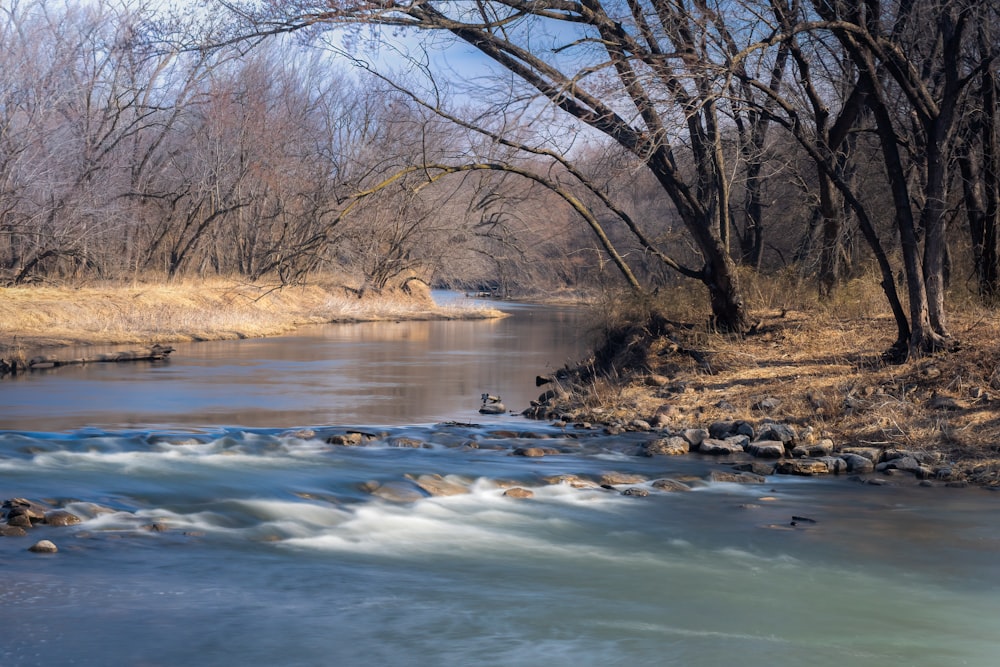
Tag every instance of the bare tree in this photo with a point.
(650, 76)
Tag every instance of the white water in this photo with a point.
(271, 552)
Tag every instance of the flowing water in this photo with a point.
(221, 528)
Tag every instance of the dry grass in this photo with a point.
(821, 364)
(36, 317)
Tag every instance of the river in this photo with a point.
(220, 527)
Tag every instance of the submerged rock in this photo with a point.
(408, 443)
(534, 452)
(396, 491)
(722, 447)
(575, 481)
(350, 439)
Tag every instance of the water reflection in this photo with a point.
(367, 373)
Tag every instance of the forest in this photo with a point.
(636, 144)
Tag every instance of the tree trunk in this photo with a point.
(829, 258)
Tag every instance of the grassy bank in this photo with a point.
(809, 364)
(39, 317)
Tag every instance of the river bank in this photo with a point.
(159, 313)
(807, 393)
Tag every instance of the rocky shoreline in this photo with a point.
(770, 447)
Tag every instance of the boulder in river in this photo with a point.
(615, 478)
(519, 492)
(672, 446)
(43, 547)
(722, 447)
(61, 518)
(670, 485)
(737, 477)
(804, 467)
(767, 449)
(349, 439)
(492, 409)
(395, 491)
(436, 485)
(21, 506)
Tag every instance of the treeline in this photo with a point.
(788, 127)
(639, 143)
(122, 157)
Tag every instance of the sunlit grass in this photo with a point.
(209, 310)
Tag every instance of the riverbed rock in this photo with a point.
(639, 425)
(492, 409)
(756, 467)
(301, 434)
(19, 519)
(857, 464)
(407, 443)
(695, 436)
(350, 439)
(806, 467)
(722, 447)
(43, 547)
(767, 449)
(670, 485)
(534, 452)
(636, 491)
(22, 506)
(822, 448)
(617, 478)
(672, 446)
(394, 491)
(61, 518)
(519, 492)
(574, 481)
(776, 431)
(904, 463)
(737, 477)
(873, 454)
(436, 485)
(722, 430)
(7, 530)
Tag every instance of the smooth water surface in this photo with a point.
(217, 531)
(367, 373)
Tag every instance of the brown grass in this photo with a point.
(821, 362)
(35, 317)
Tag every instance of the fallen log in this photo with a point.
(41, 362)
